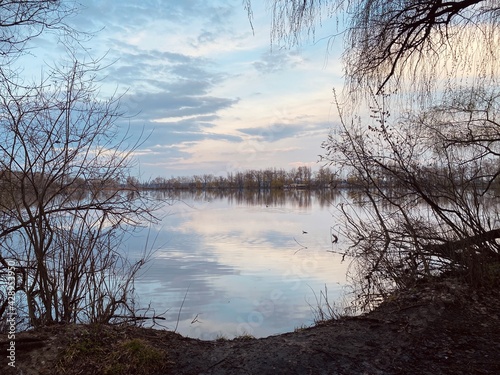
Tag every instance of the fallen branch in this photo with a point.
(453, 248)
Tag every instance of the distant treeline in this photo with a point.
(272, 178)
(303, 178)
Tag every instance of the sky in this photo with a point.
(209, 93)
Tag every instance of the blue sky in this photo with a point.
(213, 96)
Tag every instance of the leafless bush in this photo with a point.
(65, 203)
(429, 187)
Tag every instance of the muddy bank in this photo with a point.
(438, 328)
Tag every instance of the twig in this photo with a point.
(303, 247)
(195, 319)
(180, 309)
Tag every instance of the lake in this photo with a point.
(244, 263)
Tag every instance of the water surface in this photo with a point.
(249, 263)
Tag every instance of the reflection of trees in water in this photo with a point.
(302, 198)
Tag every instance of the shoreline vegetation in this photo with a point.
(301, 178)
(440, 326)
(264, 179)
(269, 179)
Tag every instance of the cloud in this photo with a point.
(273, 132)
(176, 133)
(163, 85)
(301, 127)
(167, 104)
(157, 70)
(209, 93)
(133, 14)
(275, 61)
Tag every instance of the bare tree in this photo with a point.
(390, 43)
(65, 199)
(429, 191)
(21, 21)
(428, 178)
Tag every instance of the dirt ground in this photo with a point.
(438, 328)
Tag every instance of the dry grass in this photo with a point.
(108, 352)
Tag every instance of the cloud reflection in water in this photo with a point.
(242, 267)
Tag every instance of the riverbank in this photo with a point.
(441, 327)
